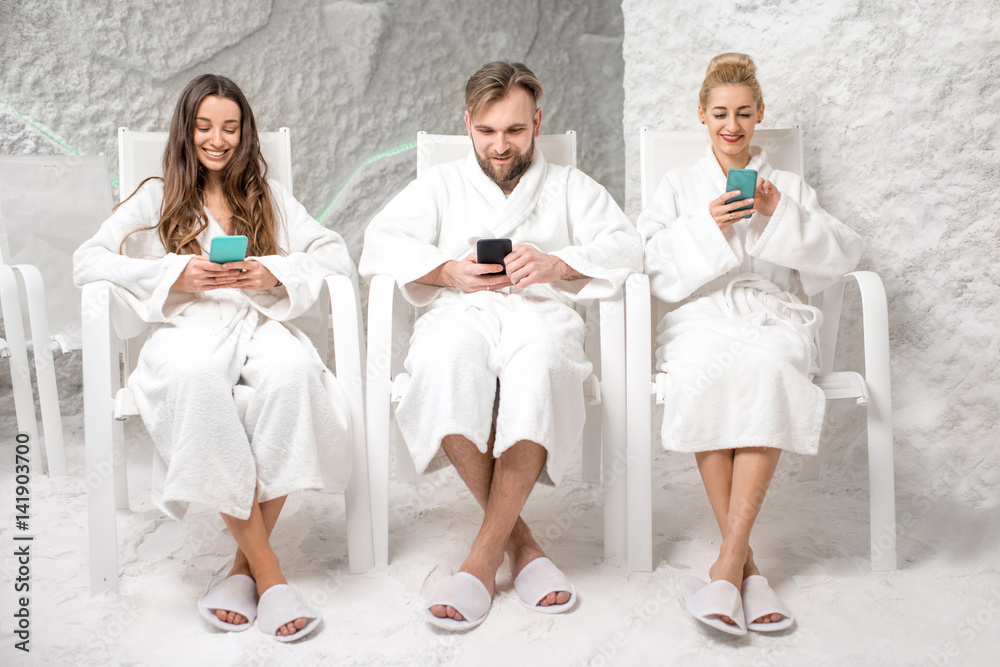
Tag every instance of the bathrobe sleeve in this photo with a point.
(401, 240)
(682, 251)
(141, 274)
(313, 252)
(606, 247)
(803, 237)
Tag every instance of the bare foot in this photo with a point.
(750, 568)
(270, 575)
(521, 550)
(482, 567)
(728, 567)
(240, 566)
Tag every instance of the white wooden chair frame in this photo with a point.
(390, 325)
(108, 361)
(660, 151)
(43, 345)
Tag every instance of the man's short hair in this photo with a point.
(495, 80)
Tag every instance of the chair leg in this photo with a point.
(615, 468)
(882, 493)
(638, 364)
(20, 372)
(593, 426)
(100, 366)
(406, 470)
(45, 373)
(118, 460)
(590, 465)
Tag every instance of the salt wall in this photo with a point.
(354, 81)
(898, 104)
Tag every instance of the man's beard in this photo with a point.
(506, 173)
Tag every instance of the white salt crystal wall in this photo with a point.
(898, 102)
(353, 80)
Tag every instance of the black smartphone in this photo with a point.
(492, 251)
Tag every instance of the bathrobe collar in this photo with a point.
(710, 168)
(508, 213)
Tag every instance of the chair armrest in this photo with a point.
(348, 335)
(875, 324)
(388, 328)
(875, 316)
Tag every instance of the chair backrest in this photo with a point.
(434, 149)
(659, 152)
(140, 155)
(50, 205)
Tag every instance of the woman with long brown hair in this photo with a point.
(240, 408)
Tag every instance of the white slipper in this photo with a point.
(282, 604)
(236, 593)
(468, 596)
(760, 599)
(539, 578)
(707, 602)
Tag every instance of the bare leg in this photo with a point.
(251, 537)
(501, 487)
(736, 482)
(476, 469)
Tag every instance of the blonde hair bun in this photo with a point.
(731, 69)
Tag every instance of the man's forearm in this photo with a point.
(439, 277)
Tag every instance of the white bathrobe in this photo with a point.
(531, 339)
(234, 396)
(740, 349)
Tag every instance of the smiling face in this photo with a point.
(216, 133)
(731, 117)
(503, 136)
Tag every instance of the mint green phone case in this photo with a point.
(744, 180)
(228, 249)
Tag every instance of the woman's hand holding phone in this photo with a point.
(724, 214)
(253, 275)
(204, 275)
(764, 201)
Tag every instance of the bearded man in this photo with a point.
(497, 361)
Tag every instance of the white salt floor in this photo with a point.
(941, 607)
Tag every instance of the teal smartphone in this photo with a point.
(228, 249)
(744, 180)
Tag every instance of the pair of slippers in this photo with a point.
(278, 605)
(470, 598)
(709, 602)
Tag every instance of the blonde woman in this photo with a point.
(740, 348)
(221, 332)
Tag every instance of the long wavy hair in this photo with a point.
(244, 179)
